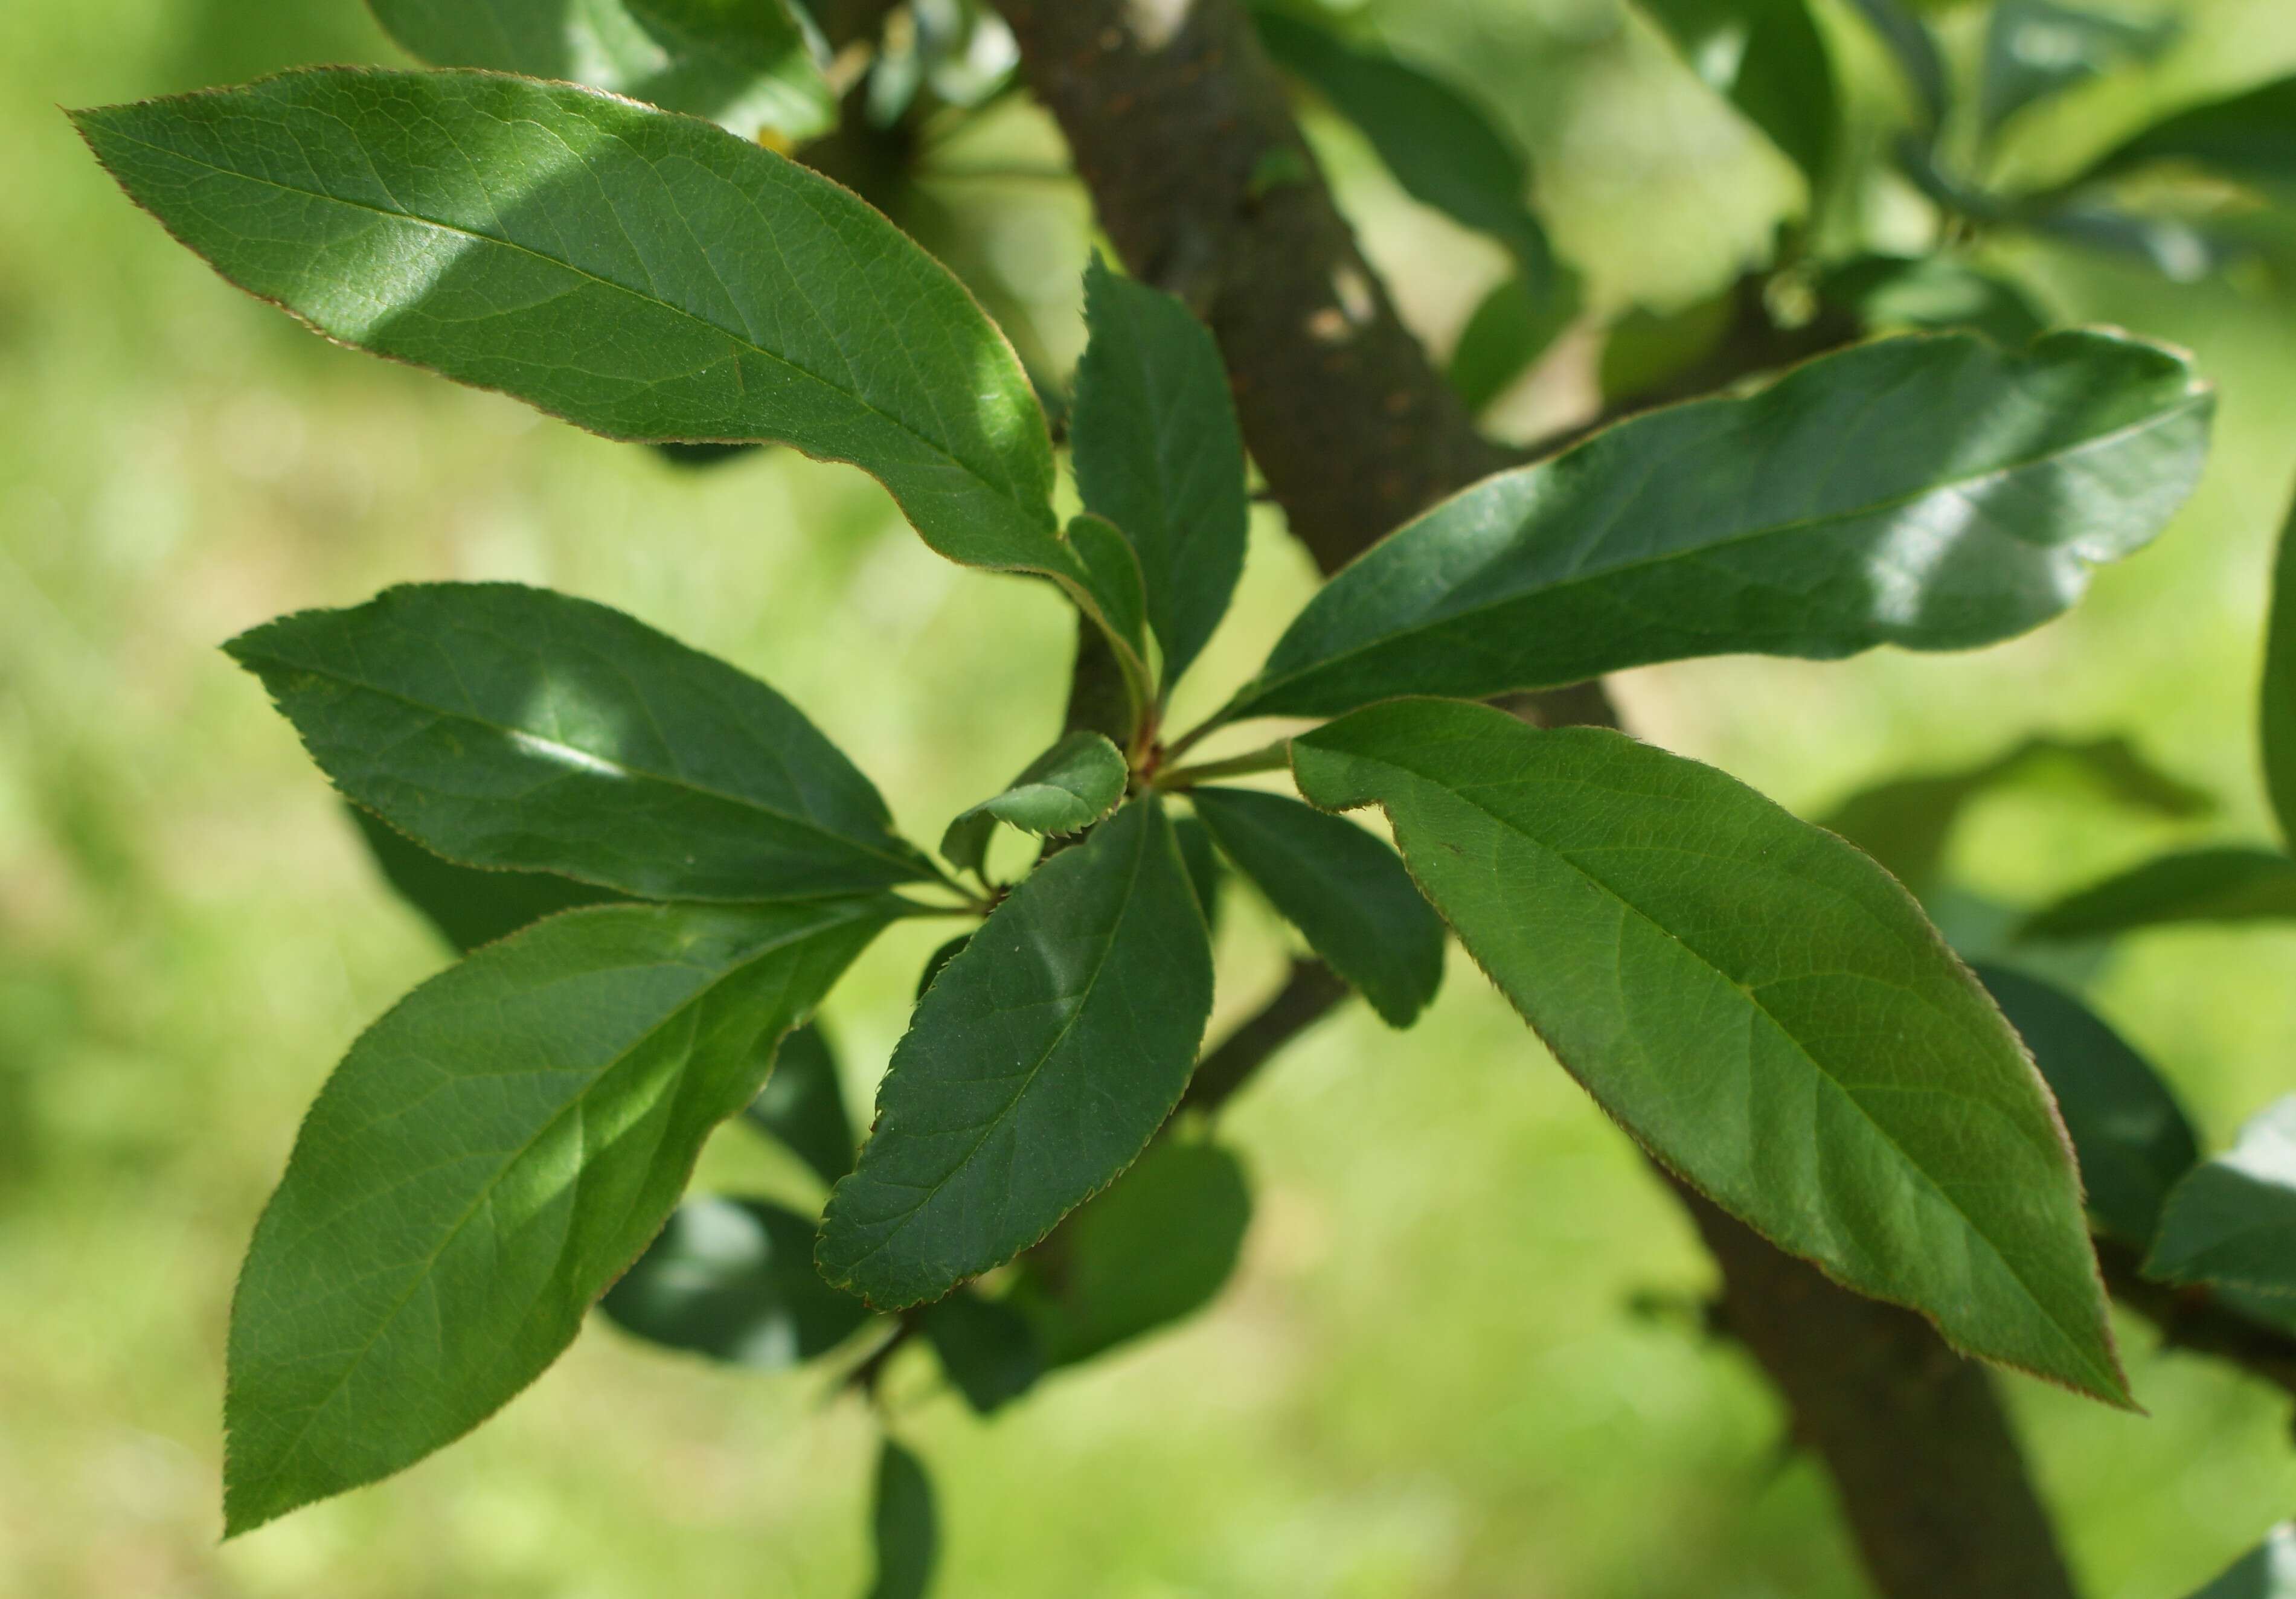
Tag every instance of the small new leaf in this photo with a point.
(1109, 590)
(1035, 1067)
(2232, 1221)
(1075, 784)
(1758, 1002)
(2227, 884)
(734, 1279)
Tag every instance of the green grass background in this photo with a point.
(1428, 1379)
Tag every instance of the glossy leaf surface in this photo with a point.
(641, 275)
(504, 726)
(1037, 1067)
(734, 1279)
(2245, 137)
(742, 64)
(1934, 492)
(2223, 884)
(1159, 454)
(1071, 786)
(2128, 1131)
(486, 1158)
(2278, 699)
(1758, 1003)
(2233, 1220)
(1768, 59)
(1342, 886)
(904, 1526)
(469, 906)
(803, 1105)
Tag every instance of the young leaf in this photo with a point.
(502, 726)
(803, 1106)
(2233, 1220)
(1071, 786)
(1159, 454)
(905, 1526)
(2038, 48)
(1037, 1067)
(2130, 1135)
(2267, 1572)
(467, 905)
(487, 1158)
(2245, 137)
(2278, 701)
(2227, 883)
(1767, 58)
(1152, 1250)
(641, 275)
(1935, 492)
(1932, 293)
(1515, 325)
(1915, 51)
(1758, 1002)
(1342, 886)
(734, 1279)
(986, 1349)
(1110, 591)
(745, 64)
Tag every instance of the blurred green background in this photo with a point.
(1430, 1377)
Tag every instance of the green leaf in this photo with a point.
(1513, 326)
(1112, 592)
(486, 1158)
(905, 1525)
(1768, 59)
(2035, 49)
(1758, 1003)
(641, 275)
(2226, 883)
(2232, 1221)
(2267, 1572)
(2129, 1133)
(2249, 137)
(1444, 150)
(803, 1106)
(1932, 293)
(1075, 784)
(986, 1349)
(1644, 349)
(2182, 250)
(1154, 1249)
(734, 1279)
(469, 906)
(1342, 886)
(1037, 1067)
(2278, 699)
(1915, 49)
(1935, 492)
(745, 64)
(1159, 454)
(502, 726)
(1204, 870)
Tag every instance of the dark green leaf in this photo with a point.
(2249, 137)
(937, 960)
(734, 1279)
(1767, 58)
(1645, 349)
(1915, 51)
(468, 906)
(2278, 699)
(2227, 883)
(987, 1348)
(742, 64)
(502, 727)
(905, 1526)
(487, 1158)
(1152, 1250)
(2129, 1133)
(1442, 147)
(1934, 492)
(1113, 595)
(1035, 1067)
(1758, 1002)
(1158, 453)
(2267, 1572)
(1071, 786)
(2038, 48)
(2232, 1221)
(1202, 861)
(1342, 886)
(642, 275)
(1513, 326)
(803, 1105)
(1932, 293)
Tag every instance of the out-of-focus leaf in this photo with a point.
(469, 906)
(734, 1279)
(1342, 886)
(905, 1527)
(1758, 1002)
(698, 455)
(2233, 1219)
(1644, 349)
(987, 1348)
(1935, 492)
(1159, 454)
(1767, 58)
(745, 64)
(937, 960)
(2038, 48)
(2278, 699)
(1932, 293)
(1071, 786)
(2267, 1572)
(2179, 249)
(803, 1105)
(1915, 51)
(1155, 1247)
(2227, 883)
(502, 727)
(2249, 137)
(1036, 1069)
(1509, 330)
(2129, 1133)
